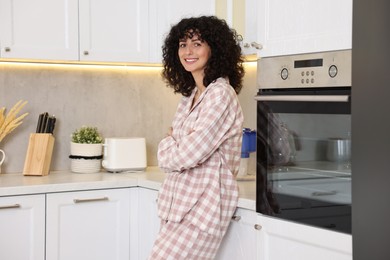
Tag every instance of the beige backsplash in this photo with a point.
(120, 101)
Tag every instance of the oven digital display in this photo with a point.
(308, 63)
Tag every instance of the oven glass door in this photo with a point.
(304, 157)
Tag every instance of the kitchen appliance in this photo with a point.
(303, 101)
(248, 146)
(124, 154)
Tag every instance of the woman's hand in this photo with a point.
(170, 130)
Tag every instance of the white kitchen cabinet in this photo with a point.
(280, 239)
(72, 30)
(242, 15)
(148, 221)
(165, 13)
(39, 29)
(91, 31)
(22, 225)
(240, 241)
(114, 31)
(91, 224)
(303, 26)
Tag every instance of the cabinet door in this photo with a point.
(39, 29)
(242, 16)
(148, 221)
(240, 239)
(279, 239)
(304, 26)
(22, 225)
(165, 13)
(88, 225)
(114, 31)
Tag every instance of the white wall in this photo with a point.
(120, 101)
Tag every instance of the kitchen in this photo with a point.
(97, 95)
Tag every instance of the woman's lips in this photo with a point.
(190, 60)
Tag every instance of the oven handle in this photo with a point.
(304, 98)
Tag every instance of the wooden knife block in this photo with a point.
(38, 157)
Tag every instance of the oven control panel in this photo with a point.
(312, 70)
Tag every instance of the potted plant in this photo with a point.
(86, 151)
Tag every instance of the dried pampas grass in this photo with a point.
(9, 122)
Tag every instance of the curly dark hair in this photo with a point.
(225, 59)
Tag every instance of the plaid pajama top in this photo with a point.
(201, 159)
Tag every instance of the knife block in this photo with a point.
(38, 157)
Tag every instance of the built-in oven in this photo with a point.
(303, 158)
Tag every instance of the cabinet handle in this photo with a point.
(256, 45)
(86, 53)
(90, 200)
(7, 49)
(10, 206)
(258, 227)
(236, 218)
(247, 45)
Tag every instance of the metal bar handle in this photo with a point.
(305, 98)
(324, 193)
(90, 200)
(14, 206)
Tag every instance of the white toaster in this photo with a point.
(124, 154)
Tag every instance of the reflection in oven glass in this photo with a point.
(304, 167)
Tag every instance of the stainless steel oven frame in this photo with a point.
(313, 88)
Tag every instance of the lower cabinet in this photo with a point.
(148, 222)
(240, 239)
(254, 236)
(122, 223)
(22, 227)
(88, 225)
(280, 239)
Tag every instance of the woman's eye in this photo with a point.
(182, 45)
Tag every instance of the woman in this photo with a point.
(201, 153)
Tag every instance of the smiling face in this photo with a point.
(194, 54)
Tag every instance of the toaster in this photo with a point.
(124, 154)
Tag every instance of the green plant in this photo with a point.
(87, 135)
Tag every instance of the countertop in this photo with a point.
(12, 184)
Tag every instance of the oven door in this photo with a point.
(303, 156)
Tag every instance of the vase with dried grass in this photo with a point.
(9, 122)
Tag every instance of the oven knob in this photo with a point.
(332, 71)
(284, 73)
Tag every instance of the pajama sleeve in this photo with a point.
(210, 131)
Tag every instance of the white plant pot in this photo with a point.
(85, 165)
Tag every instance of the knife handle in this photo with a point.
(40, 118)
(48, 124)
(44, 122)
(53, 123)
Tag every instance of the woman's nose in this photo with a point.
(188, 49)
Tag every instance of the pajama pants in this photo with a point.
(183, 240)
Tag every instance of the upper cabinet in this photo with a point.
(165, 13)
(242, 15)
(39, 29)
(303, 26)
(114, 31)
(91, 31)
(134, 30)
(73, 30)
